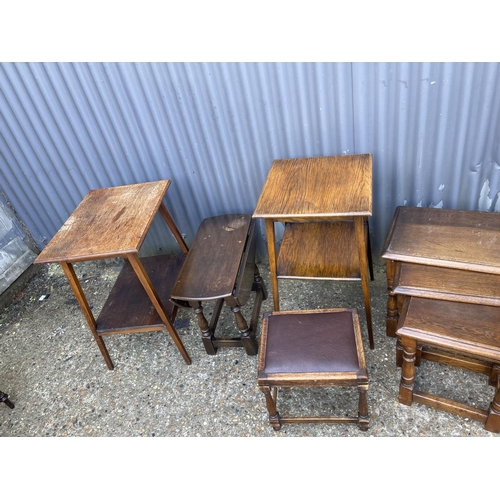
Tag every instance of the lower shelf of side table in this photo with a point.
(321, 250)
(128, 308)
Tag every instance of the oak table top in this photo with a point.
(108, 222)
(459, 239)
(317, 187)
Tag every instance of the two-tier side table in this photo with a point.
(325, 203)
(113, 222)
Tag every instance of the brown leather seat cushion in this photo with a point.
(304, 343)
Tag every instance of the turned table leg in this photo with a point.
(492, 423)
(391, 321)
(207, 334)
(407, 371)
(247, 334)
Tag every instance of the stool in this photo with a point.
(4, 398)
(470, 333)
(312, 348)
(221, 267)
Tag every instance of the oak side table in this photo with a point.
(113, 222)
(325, 203)
(442, 254)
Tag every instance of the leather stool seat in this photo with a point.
(312, 348)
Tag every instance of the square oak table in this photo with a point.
(442, 254)
(113, 222)
(325, 203)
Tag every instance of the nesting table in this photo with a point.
(442, 254)
(113, 222)
(325, 203)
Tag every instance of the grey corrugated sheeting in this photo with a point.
(215, 128)
(434, 131)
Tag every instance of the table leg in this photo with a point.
(87, 312)
(392, 317)
(207, 332)
(247, 334)
(173, 228)
(368, 247)
(363, 264)
(492, 423)
(271, 250)
(153, 296)
(407, 371)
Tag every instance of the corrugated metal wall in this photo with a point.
(215, 128)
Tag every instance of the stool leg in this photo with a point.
(247, 335)
(274, 416)
(492, 423)
(407, 371)
(4, 398)
(363, 419)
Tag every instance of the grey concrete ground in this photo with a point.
(53, 371)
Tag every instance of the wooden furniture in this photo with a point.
(470, 332)
(113, 222)
(221, 267)
(325, 203)
(4, 398)
(312, 348)
(442, 254)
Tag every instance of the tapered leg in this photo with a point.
(273, 270)
(87, 312)
(363, 264)
(155, 300)
(368, 247)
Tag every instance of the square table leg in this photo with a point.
(271, 250)
(87, 312)
(364, 272)
(153, 296)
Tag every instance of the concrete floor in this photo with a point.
(53, 372)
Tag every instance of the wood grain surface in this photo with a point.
(458, 239)
(317, 186)
(108, 222)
